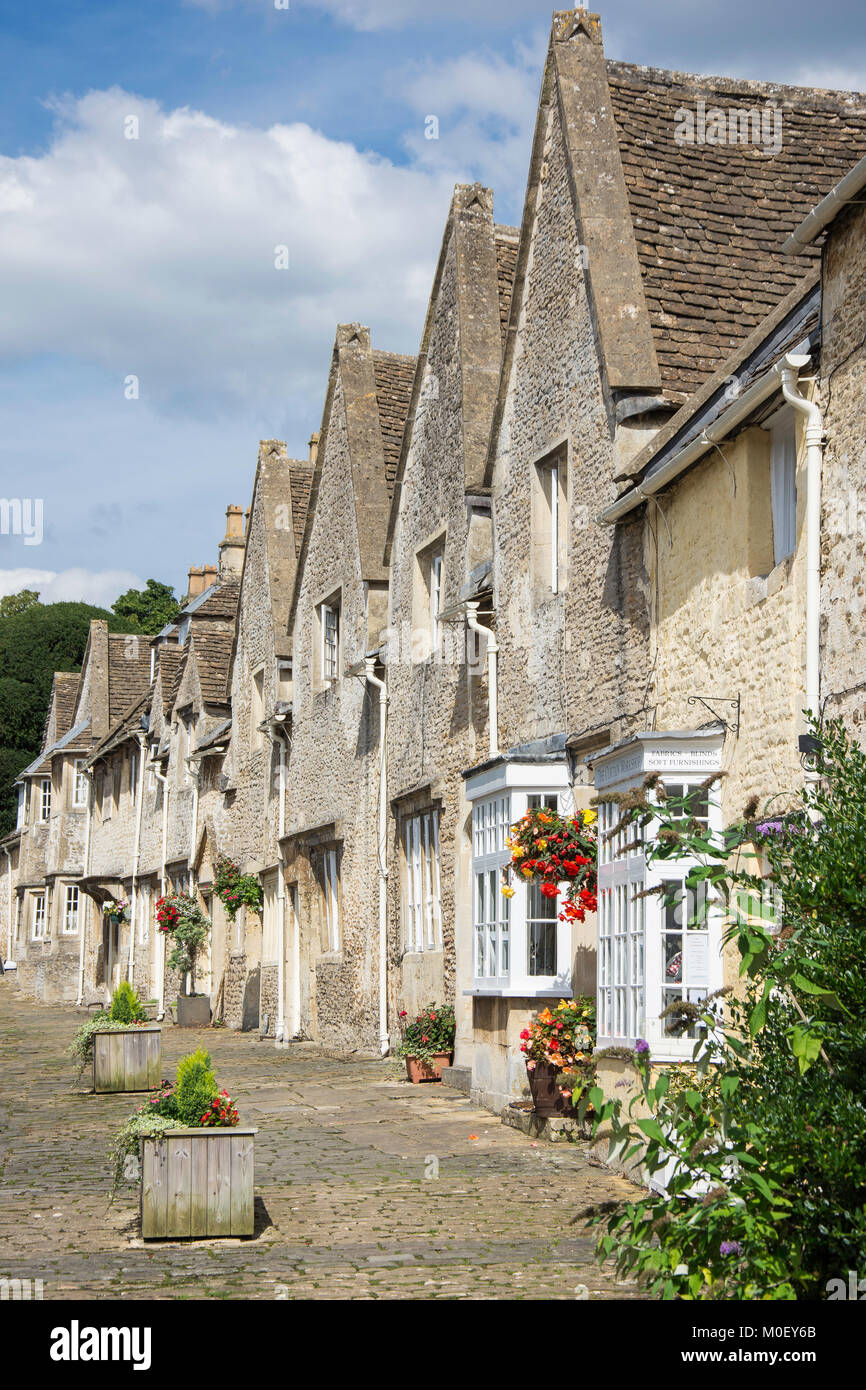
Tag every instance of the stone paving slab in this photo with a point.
(345, 1204)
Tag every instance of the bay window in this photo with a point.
(658, 941)
(520, 948)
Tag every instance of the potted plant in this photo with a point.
(236, 890)
(123, 1048)
(115, 911)
(558, 1043)
(180, 917)
(427, 1042)
(196, 1179)
(556, 850)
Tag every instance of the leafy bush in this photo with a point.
(126, 1007)
(236, 890)
(765, 1159)
(431, 1032)
(195, 1088)
(81, 1049)
(180, 916)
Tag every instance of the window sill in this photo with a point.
(517, 992)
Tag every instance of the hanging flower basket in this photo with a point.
(554, 850)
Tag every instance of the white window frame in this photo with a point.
(40, 916)
(44, 800)
(329, 622)
(331, 897)
(71, 909)
(783, 483)
(21, 818)
(632, 922)
(501, 928)
(437, 560)
(422, 911)
(79, 784)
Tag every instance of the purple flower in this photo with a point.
(730, 1247)
(771, 827)
(641, 1045)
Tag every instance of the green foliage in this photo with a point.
(126, 1007)
(123, 1152)
(18, 603)
(35, 641)
(431, 1032)
(180, 916)
(147, 610)
(195, 1089)
(81, 1049)
(767, 1198)
(236, 890)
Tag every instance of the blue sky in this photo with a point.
(255, 127)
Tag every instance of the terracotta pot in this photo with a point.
(547, 1099)
(418, 1070)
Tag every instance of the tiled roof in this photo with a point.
(77, 740)
(128, 724)
(506, 239)
(65, 694)
(394, 376)
(710, 219)
(300, 481)
(169, 675)
(128, 671)
(213, 653)
(218, 601)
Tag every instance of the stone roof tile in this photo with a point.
(394, 375)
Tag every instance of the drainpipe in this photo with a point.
(814, 430)
(135, 858)
(276, 733)
(193, 769)
(160, 993)
(88, 772)
(382, 853)
(8, 955)
(492, 686)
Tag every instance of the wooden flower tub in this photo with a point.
(197, 1183)
(127, 1059)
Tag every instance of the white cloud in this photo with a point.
(75, 585)
(155, 257)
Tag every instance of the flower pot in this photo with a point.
(197, 1183)
(547, 1099)
(419, 1069)
(193, 1010)
(127, 1059)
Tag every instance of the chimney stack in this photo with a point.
(210, 576)
(196, 581)
(231, 547)
(314, 446)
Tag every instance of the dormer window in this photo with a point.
(45, 798)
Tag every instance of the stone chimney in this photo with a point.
(209, 576)
(314, 446)
(231, 547)
(196, 581)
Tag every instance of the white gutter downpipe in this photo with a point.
(814, 431)
(160, 993)
(135, 858)
(88, 772)
(382, 853)
(8, 955)
(276, 728)
(492, 674)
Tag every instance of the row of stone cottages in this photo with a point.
(578, 537)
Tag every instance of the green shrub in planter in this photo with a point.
(126, 1007)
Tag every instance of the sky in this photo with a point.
(193, 193)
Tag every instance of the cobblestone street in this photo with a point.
(343, 1207)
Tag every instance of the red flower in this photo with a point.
(549, 890)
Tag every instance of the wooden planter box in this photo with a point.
(197, 1183)
(127, 1059)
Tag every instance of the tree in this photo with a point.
(18, 603)
(147, 610)
(35, 642)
